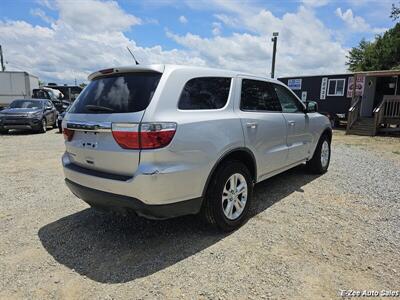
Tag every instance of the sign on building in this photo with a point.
(294, 84)
(304, 96)
(324, 86)
(360, 82)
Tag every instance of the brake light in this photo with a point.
(106, 71)
(126, 135)
(156, 135)
(68, 134)
(144, 136)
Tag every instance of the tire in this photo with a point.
(3, 131)
(59, 126)
(215, 210)
(319, 163)
(43, 127)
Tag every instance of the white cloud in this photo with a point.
(305, 45)
(87, 36)
(216, 28)
(183, 19)
(90, 35)
(37, 12)
(356, 23)
(315, 3)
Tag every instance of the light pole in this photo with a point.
(274, 40)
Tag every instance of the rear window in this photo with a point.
(205, 93)
(123, 93)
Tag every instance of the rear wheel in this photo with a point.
(320, 161)
(228, 196)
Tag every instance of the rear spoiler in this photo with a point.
(132, 69)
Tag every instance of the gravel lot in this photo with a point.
(308, 238)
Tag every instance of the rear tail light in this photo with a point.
(144, 136)
(68, 134)
(126, 135)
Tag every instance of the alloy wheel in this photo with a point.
(234, 196)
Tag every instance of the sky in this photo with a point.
(65, 40)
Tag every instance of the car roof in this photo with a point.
(31, 99)
(161, 68)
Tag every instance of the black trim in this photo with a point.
(113, 202)
(76, 168)
(222, 158)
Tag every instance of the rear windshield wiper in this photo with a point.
(98, 108)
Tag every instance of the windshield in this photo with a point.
(33, 104)
(117, 94)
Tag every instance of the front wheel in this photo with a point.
(319, 163)
(43, 127)
(228, 196)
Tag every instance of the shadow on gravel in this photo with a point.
(24, 132)
(112, 249)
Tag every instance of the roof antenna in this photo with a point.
(136, 62)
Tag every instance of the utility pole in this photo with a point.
(274, 40)
(3, 68)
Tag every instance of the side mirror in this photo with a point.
(48, 108)
(311, 107)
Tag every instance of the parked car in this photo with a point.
(55, 96)
(33, 114)
(166, 141)
(60, 118)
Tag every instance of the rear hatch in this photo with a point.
(116, 100)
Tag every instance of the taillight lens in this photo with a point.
(68, 134)
(144, 136)
(156, 135)
(126, 135)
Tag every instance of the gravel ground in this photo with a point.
(308, 238)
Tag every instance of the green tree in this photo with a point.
(395, 14)
(381, 54)
(82, 85)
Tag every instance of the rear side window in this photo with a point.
(257, 95)
(205, 93)
(123, 93)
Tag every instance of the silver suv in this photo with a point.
(167, 140)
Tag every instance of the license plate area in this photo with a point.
(88, 140)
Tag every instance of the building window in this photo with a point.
(336, 87)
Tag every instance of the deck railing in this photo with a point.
(388, 112)
(354, 112)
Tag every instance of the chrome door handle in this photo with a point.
(291, 123)
(251, 125)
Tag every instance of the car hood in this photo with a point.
(18, 111)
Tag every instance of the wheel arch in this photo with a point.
(328, 132)
(241, 154)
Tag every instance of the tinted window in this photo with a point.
(257, 95)
(117, 94)
(205, 93)
(288, 101)
(34, 104)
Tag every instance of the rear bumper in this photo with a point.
(113, 202)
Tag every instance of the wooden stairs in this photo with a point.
(363, 126)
